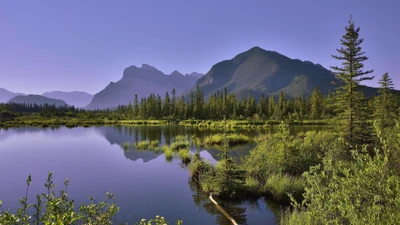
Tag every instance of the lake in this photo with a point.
(144, 183)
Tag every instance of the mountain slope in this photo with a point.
(76, 98)
(37, 99)
(265, 72)
(6, 95)
(141, 81)
(268, 73)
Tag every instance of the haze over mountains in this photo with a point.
(37, 99)
(256, 70)
(76, 98)
(6, 95)
(141, 81)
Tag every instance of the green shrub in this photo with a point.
(184, 155)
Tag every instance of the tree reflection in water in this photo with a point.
(233, 208)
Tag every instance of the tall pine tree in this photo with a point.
(385, 107)
(350, 103)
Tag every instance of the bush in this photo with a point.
(361, 191)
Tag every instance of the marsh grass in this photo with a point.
(179, 145)
(279, 185)
(169, 154)
(295, 217)
(184, 155)
(252, 186)
(147, 145)
(233, 139)
(143, 145)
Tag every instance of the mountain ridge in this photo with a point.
(143, 81)
(37, 99)
(6, 95)
(267, 72)
(76, 98)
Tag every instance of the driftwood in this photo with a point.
(223, 211)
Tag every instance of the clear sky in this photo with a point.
(84, 44)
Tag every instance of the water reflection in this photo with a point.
(94, 160)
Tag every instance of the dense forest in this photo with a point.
(219, 106)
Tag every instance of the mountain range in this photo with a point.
(37, 99)
(6, 95)
(256, 70)
(76, 98)
(142, 81)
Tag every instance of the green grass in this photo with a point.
(143, 145)
(233, 139)
(184, 155)
(252, 186)
(154, 143)
(179, 145)
(169, 154)
(147, 145)
(295, 217)
(278, 185)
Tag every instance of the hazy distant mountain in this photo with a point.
(141, 81)
(76, 98)
(194, 75)
(37, 99)
(267, 72)
(6, 95)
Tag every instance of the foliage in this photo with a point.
(385, 107)
(351, 104)
(360, 192)
(52, 209)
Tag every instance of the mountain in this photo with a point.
(37, 99)
(6, 95)
(267, 72)
(141, 81)
(76, 98)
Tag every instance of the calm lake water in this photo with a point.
(144, 183)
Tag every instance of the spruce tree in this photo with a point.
(316, 101)
(385, 107)
(350, 103)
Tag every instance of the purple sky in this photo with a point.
(83, 45)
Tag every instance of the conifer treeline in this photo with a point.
(315, 107)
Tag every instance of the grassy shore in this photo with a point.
(212, 124)
(231, 124)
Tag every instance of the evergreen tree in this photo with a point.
(271, 106)
(350, 103)
(166, 109)
(136, 107)
(385, 112)
(316, 102)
